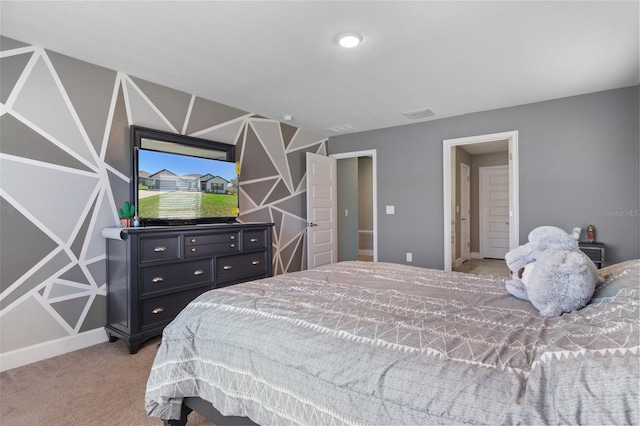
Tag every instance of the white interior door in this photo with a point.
(322, 206)
(494, 211)
(465, 216)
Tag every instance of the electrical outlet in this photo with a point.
(409, 257)
(391, 210)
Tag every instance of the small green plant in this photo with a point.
(127, 210)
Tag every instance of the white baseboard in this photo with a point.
(459, 261)
(30, 354)
(476, 255)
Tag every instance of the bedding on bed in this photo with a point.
(388, 344)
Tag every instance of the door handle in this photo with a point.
(312, 224)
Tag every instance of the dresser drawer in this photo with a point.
(172, 277)
(159, 310)
(198, 239)
(594, 254)
(211, 249)
(233, 267)
(253, 240)
(159, 248)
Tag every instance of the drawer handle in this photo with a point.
(254, 240)
(193, 240)
(158, 279)
(232, 245)
(161, 248)
(198, 272)
(193, 250)
(158, 310)
(232, 237)
(255, 262)
(227, 267)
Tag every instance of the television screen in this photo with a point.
(177, 186)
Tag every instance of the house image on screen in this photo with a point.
(214, 184)
(167, 181)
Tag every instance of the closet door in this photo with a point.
(494, 211)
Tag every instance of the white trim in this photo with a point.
(374, 171)
(45, 350)
(476, 255)
(514, 199)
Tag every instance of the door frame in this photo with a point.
(514, 196)
(374, 168)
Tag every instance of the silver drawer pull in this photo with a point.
(158, 310)
(232, 237)
(193, 250)
(254, 240)
(227, 267)
(232, 245)
(193, 240)
(161, 248)
(158, 279)
(198, 272)
(255, 262)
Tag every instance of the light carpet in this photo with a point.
(99, 385)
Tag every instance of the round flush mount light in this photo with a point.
(349, 40)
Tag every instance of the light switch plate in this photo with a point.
(391, 209)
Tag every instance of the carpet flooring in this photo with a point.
(496, 267)
(99, 385)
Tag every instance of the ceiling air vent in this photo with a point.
(346, 128)
(421, 113)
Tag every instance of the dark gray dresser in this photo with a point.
(153, 273)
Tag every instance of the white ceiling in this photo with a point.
(275, 58)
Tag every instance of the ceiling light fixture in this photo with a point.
(350, 40)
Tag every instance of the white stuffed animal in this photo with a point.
(551, 272)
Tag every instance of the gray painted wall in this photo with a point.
(64, 171)
(462, 157)
(347, 170)
(579, 161)
(365, 193)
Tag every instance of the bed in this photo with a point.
(372, 343)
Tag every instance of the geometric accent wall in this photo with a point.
(64, 169)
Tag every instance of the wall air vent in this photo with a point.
(346, 128)
(421, 113)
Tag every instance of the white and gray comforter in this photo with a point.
(386, 344)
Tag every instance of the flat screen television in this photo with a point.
(182, 180)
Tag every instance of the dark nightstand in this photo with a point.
(595, 251)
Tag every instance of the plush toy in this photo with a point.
(551, 272)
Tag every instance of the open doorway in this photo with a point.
(357, 216)
(469, 232)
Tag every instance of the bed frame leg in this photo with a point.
(183, 417)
